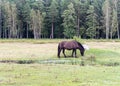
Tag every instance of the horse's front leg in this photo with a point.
(73, 53)
(64, 53)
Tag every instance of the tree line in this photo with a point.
(60, 19)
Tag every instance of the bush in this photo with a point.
(78, 39)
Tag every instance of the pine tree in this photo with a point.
(114, 23)
(118, 18)
(36, 23)
(11, 18)
(78, 9)
(107, 14)
(91, 23)
(23, 13)
(69, 21)
(46, 31)
(99, 17)
(53, 16)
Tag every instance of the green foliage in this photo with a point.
(36, 23)
(60, 18)
(78, 39)
(69, 21)
(91, 22)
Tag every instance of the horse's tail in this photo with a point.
(59, 50)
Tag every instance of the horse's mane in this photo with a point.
(80, 44)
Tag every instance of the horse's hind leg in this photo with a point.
(64, 53)
(59, 50)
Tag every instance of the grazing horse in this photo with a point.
(70, 45)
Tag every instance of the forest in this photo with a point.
(38, 19)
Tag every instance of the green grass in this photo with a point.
(58, 75)
(105, 57)
(24, 64)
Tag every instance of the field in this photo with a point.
(35, 63)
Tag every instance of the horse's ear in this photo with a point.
(86, 47)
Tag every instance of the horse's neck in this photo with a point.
(80, 46)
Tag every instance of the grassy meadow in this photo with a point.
(35, 63)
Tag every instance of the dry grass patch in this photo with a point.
(27, 50)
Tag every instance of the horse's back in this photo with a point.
(61, 44)
(70, 45)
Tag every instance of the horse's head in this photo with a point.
(81, 48)
(82, 52)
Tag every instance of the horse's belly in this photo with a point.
(69, 49)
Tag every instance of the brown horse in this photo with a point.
(70, 45)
